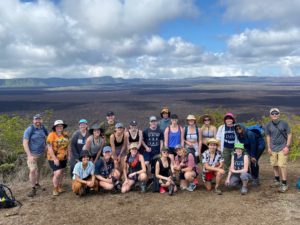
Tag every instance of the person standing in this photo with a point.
(108, 126)
(34, 143)
(78, 140)
(279, 139)
(165, 118)
(226, 135)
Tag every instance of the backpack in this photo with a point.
(7, 200)
(186, 130)
(32, 130)
(257, 129)
(298, 183)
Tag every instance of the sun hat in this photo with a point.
(95, 127)
(59, 122)
(212, 119)
(82, 121)
(239, 146)
(152, 118)
(119, 125)
(191, 117)
(83, 154)
(165, 110)
(229, 115)
(37, 116)
(133, 145)
(213, 141)
(107, 149)
(274, 110)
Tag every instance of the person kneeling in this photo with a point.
(106, 172)
(238, 171)
(83, 175)
(163, 172)
(187, 169)
(134, 169)
(213, 162)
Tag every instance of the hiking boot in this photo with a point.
(283, 188)
(191, 187)
(162, 190)
(143, 187)
(32, 193)
(171, 189)
(255, 182)
(39, 187)
(55, 192)
(244, 190)
(218, 191)
(275, 184)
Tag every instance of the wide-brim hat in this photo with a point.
(133, 145)
(213, 141)
(212, 119)
(95, 127)
(59, 122)
(84, 153)
(191, 117)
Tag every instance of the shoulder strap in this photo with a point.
(197, 132)
(31, 131)
(281, 132)
(185, 132)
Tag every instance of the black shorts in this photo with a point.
(172, 151)
(62, 164)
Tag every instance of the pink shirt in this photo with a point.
(187, 161)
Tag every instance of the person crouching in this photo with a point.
(83, 175)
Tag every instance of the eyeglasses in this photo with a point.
(274, 113)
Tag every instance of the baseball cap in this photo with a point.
(37, 116)
(274, 110)
(178, 146)
(152, 118)
(82, 121)
(107, 149)
(119, 125)
(110, 113)
(133, 123)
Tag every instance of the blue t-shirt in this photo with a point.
(81, 172)
(229, 137)
(152, 138)
(104, 169)
(37, 141)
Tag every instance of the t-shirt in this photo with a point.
(229, 137)
(164, 123)
(108, 129)
(152, 139)
(211, 161)
(278, 141)
(37, 141)
(103, 168)
(188, 161)
(59, 145)
(77, 142)
(81, 172)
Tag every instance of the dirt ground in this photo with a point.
(263, 205)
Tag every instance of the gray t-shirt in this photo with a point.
(278, 139)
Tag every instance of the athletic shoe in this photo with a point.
(183, 188)
(162, 190)
(275, 184)
(32, 193)
(244, 190)
(196, 182)
(55, 192)
(191, 187)
(255, 182)
(218, 191)
(283, 188)
(171, 189)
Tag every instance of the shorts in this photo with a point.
(237, 178)
(147, 156)
(278, 159)
(135, 177)
(38, 162)
(208, 176)
(62, 165)
(172, 151)
(181, 174)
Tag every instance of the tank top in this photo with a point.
(191, 136)
(238, 162)
(95, 148)
(136, 139)
(174, 138)
(117, 144)
(206, 133)
(164, 171)
(129, 161)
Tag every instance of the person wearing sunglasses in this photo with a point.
(279, 139)
(208, 130)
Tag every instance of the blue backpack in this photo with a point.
(298, 183)
(257, 129)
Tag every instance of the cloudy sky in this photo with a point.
(149, 38)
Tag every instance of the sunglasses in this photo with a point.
(165, 152)
(274, 113)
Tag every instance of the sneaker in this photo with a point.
(218, 191)
(191, 187)
(244, 190)
(255, 182)
(55, 192)
(171, 189)
(283, 188)
(183, 188)
(196, 182)
(275, 184)
(162, 190)
(32, 193)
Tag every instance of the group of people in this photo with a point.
(166, 155)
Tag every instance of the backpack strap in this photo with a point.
(32, 130)
(185, 131)
(281, 132)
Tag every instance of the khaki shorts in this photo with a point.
(37, 163)
(278, 159)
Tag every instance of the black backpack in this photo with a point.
(7, 200)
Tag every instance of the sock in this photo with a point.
(277, 178)
(284, 182)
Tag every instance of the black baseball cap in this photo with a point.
(133, 123)
(110, 113)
